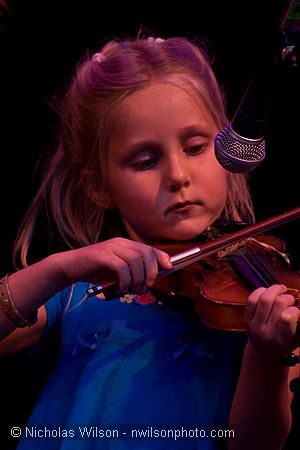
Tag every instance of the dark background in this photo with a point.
(39, 49)
(45, 39)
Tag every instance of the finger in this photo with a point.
(145, 270)
(288, 324)
(270, 304)
(163, 259)
(153, 260)
(131, 268)
(260, 303)
(252, 302)
(280, 304)
(138, 275)
(150, 265)
(142, 263)
(122, 269)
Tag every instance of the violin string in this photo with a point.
(259, 274)
(258, 266)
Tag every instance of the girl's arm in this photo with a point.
(24, 338)
(29, 289)
(261, 413)
(132, 264)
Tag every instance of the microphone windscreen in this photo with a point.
(236, 153)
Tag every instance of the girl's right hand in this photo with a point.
(132, 264)
(271, 322)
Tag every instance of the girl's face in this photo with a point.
(162, 173)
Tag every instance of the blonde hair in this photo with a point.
(100, 82)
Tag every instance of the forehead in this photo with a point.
(159, 104)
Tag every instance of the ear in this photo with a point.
(102, 199)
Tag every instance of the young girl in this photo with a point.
(135, 166)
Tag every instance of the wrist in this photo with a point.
(57, 267)
(63, 265)
(265, 360)
(10, 310)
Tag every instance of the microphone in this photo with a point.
(240, 145)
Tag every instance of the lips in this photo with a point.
(180, 206)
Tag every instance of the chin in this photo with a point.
(185, 234)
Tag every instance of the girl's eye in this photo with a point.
(195, 149)
(146, 163)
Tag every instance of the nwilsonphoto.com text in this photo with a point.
(126, 432)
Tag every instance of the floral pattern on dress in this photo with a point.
(143, 299)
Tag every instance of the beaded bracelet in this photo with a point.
(10, 309)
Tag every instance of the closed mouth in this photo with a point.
(180, 206)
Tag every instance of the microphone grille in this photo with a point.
(236, 153)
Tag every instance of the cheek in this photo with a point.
(216, 185)
(129, 197)
(211, 176)
(220, 186)
(221, 181)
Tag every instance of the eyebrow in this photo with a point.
(196, 130)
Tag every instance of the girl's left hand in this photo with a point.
(271, 321)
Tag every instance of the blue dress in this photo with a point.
(134, 373)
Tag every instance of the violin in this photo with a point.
(221, 283)
(219, 275)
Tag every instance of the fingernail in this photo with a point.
(169, 264)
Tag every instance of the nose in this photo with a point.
(177, 174)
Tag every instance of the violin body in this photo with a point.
(220, 290)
